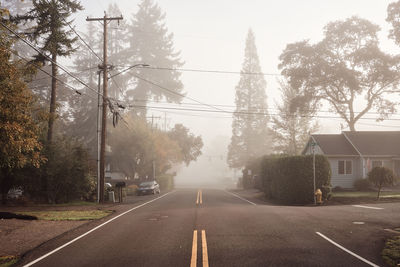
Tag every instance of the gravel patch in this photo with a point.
(20, 236)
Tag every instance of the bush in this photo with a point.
(290, 179)
(362, 184)
(166, 181)
(251, 175)
(65, 177)
(391, 252)
(381, 176)
(131, 190)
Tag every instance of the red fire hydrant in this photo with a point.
(318, 195)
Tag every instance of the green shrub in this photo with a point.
(362, 184)
(166, 181)
(66, 176)
(381, 176)
(290, 179)
(391, 252)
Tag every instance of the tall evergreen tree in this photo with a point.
(54, 38)
(117, 42)
(150, 43)
(84, 109)
(250, 137)
(291, 127)
(16, 9)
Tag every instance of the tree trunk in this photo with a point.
(53, 103)
(352, 126)
(379, 191)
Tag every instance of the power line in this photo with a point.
(49, 59)
(50, 75)
(182, 104)
(212, 71)
(83, 41)
(247, 113)
(176, 93)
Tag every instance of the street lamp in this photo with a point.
(131, 67)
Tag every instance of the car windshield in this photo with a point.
(144, 184)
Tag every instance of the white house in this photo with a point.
(353, 154)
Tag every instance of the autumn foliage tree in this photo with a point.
(133, 148)
(345, 68)
(19, 145)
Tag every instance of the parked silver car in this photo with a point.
(151, 187)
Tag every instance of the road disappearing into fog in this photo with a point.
(209, 227)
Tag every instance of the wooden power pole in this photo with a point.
(104, 68)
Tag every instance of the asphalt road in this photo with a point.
(191, 227)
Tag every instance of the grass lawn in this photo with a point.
(359, 197)
(6, 261)
(71, 215)
(357, 194)
(73, 203)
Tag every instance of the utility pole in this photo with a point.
(105, 21)
(99, 105)
(154, 162)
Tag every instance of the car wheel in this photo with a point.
(154, 192)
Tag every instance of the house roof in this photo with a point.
(334, 144)
(375, 143)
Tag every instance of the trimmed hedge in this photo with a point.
(166, 181)
(289, 180)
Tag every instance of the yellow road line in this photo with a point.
(193, 261)
(198, 197)
(204, 248)
(201, 196)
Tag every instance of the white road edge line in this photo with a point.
(348, 251)
(252, 203)
(94, 229)
(367, 207)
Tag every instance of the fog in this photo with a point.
(211, 38)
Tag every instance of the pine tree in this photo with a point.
(150, 43)
(54, 38)
(16, 9)
(84, 108)
(291, 127)
(117, 38)
(250, 137)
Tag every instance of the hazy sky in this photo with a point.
(211, 35)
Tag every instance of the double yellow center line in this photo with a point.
(199, 199)
(193, 261)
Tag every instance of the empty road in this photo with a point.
(207, 227)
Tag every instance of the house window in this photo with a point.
(345, 167)
(377, 163)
